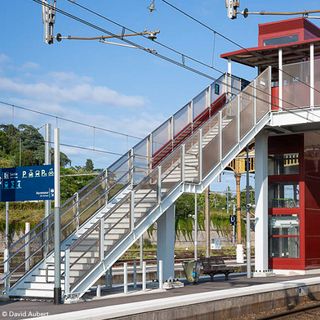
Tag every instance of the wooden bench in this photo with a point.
(215, 265)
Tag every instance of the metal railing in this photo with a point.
(189, 162)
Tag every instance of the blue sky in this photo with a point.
(112, 87)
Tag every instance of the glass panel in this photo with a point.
(191, 161)
(170, 173)
(229, 127)
(140, 161)
(146, 196)
(263, 92)
(284, 240)
(210, 151)
(180, 120)
(296, 94)
(217, 89)
(281, 40)
(246, 111)
(280, 164)
(160, 136)
(284, 195)
(199, 104)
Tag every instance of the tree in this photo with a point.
(89, 165)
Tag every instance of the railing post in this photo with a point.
(27, 247)
(191, 114)
(255, 102)
(6, 251)
(107, 186)
(134, 276)
(149, 152)
(220, 135)
(77, 211)
(280, 80)
(160, 274)
(125, 278)
(159, 184)
(171, 132)
(270, 87)
(238, 116)
(312, 75)
(131, 168)
(209, 100)
(183, 156)
(67, 271)
(101, 239)
(200, 155)
(132, 211)
(144, 276)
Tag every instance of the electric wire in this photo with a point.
(176, 51)
(153, 52)
(230, 40)
(68, 120)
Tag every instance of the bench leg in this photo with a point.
(211, 276)
(226, 276)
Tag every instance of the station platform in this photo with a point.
(236, 298)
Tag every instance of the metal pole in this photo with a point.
(280, 80)
(47, 160)
(312, 75)
(134, 274)
(248, 214)
(57, 231)
(144, 271)
(195, 227)
(234, 225)
(207, 217)
(141, 250)
(27, 247)
(67, 272)
(160, 274)
(6, 249)
(125, 278)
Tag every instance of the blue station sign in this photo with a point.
(27, 183)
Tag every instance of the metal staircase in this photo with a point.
(105, 218)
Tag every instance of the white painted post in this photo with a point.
(312, 75)
(67, 271)
(132, 211)
(47, 203)
(149, 152)
(238, 116)
(254, 102)
(183, 155)
(195, 227)
(98, 293)
(160, 274)
(125, 278)
(57, 221)
(229, 77)
(159, 184)
(261, 210)
(144, 276)
(280, 80)
(220, 135)
(6, 249)
(134, 274)
(200, 155)
(101, 239)
(27, 247)
(77, 211)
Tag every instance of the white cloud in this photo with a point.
(66, 91)
(30, 66)
(4, 58)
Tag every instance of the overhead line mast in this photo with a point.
(48, 19)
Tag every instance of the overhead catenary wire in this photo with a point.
(183, 55)
(8, 104)
(153, 52)
(231, 40)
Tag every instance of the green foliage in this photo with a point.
(23, 145)
(89, 165)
